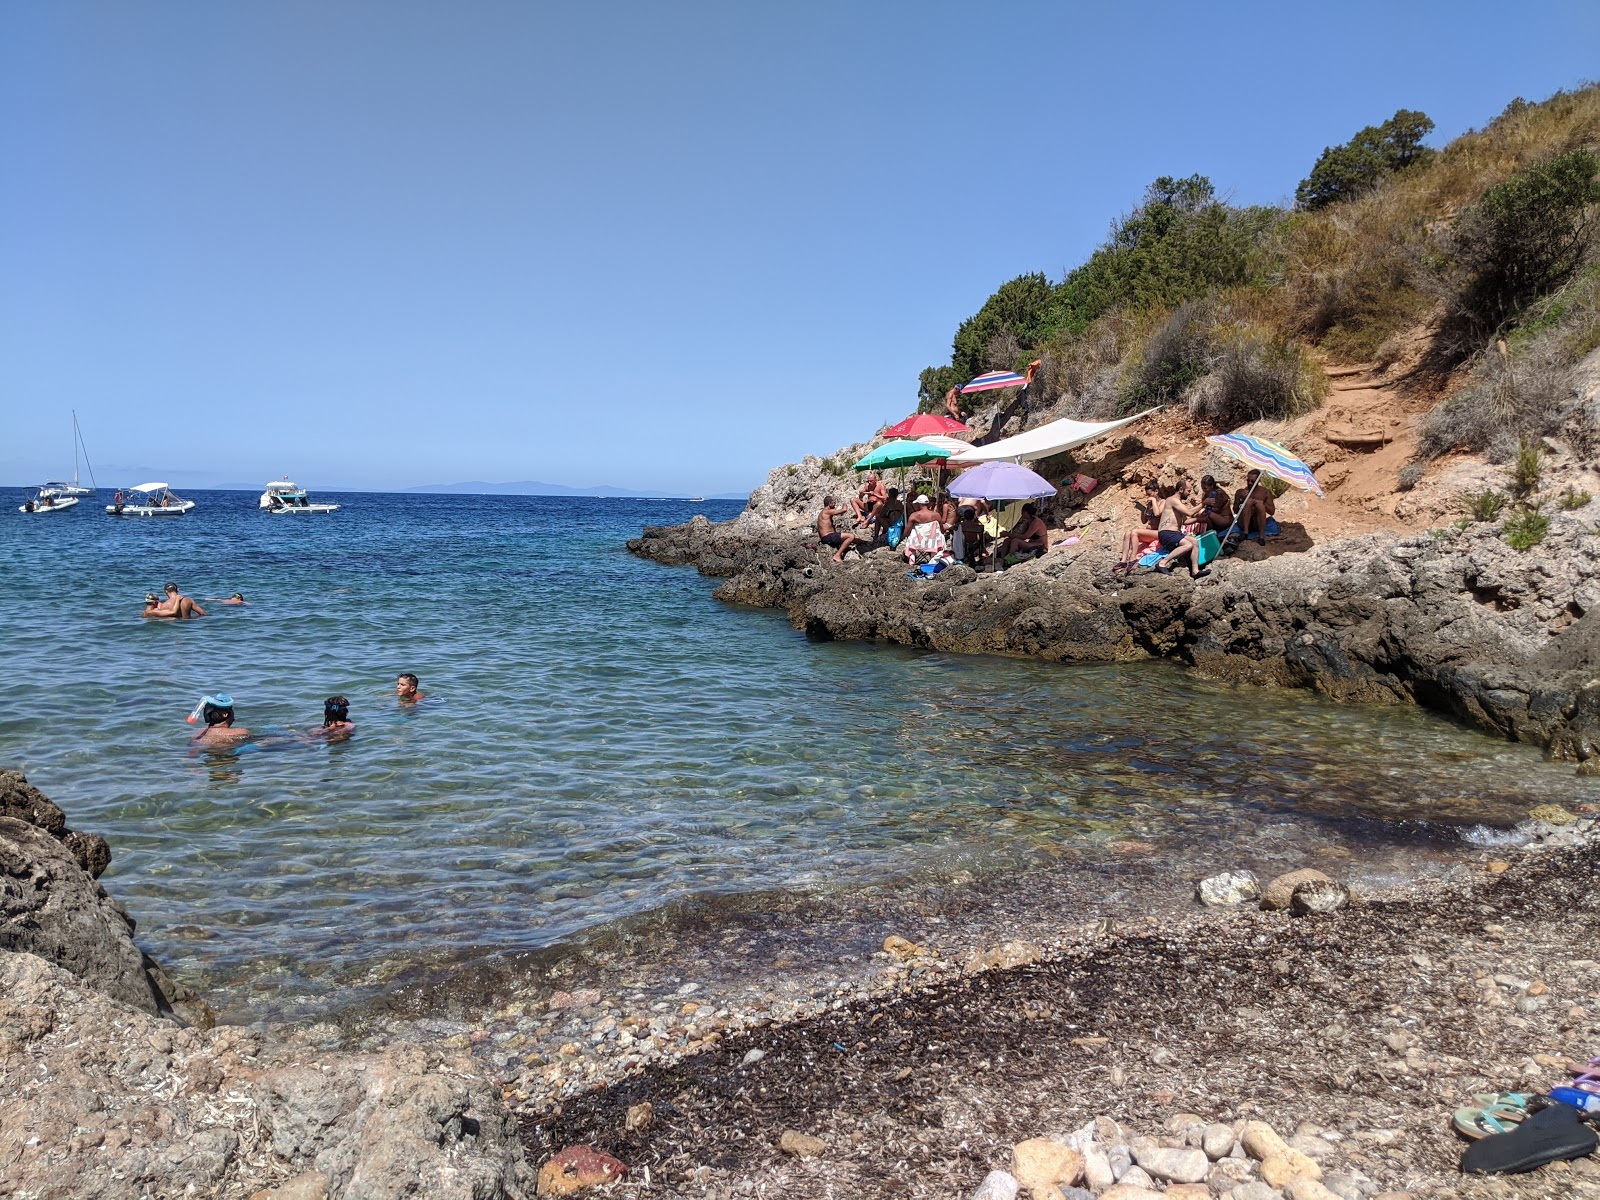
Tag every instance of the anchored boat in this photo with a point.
(282, 496)
(47, 501)
(148, 500)
(57, 490)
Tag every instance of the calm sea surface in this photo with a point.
(601, 739)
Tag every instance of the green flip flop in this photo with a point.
(1493, 1112)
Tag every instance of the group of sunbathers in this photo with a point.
(930, 531)
(1173, 525)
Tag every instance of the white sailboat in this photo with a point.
(58, 489)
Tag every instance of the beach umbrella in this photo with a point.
(1268, 457)
(991, 381)
(1002, 481)
(901, 454)
(923, 424)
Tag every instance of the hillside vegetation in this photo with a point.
(1490, 246)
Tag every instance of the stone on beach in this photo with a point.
(898, 947)
(1278, 893)
(1044, 1163)
(1170, 1164)
(996, 1185)
(801, 1145)
(1131, 1191)
(1217, 1140)
(1318, 896)
(578, 1167)
(1308, 1189)
(1230, 887)
(1097, 1174)
(311, 1185)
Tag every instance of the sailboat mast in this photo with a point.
(77, 441)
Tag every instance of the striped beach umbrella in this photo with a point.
(991, 381)
(1268, 457)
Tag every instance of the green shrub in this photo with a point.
(1173, 357)
(1520, 241)
(1525, 469)
(1526, 529)
(1410, 475)
(1573, 498)
(1344, 172)
(1486, 505)
(1512, 398)
(1257, 374)
(1274, 485)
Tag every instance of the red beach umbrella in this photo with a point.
(923, 424)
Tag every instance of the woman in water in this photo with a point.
(217, 712)
(336, 722)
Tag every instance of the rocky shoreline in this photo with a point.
(1130, 1041)
(1454, 620)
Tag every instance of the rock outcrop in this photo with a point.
(99, 1099)
(106, 1093)
(1457, 620)
(52, 906)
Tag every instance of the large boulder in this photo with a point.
(104, 1101)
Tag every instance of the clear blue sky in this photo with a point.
(670, 245)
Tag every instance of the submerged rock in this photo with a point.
(1318, 896)
(1230, 887)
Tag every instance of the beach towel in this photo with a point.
(1151, 559)
(1002, 518)
(926, 538)
(1083, 483)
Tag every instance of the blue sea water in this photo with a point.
(601, 739)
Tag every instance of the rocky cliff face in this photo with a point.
(1459, 622)
(105, 1092)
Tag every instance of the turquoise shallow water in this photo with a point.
(602, 739)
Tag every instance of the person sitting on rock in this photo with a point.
(1171, 538)
(971, 539)
(924, 540)
(828, 532)
(867, 500)
(952, 404)
(949, 515)
(1028, 538)
(1216, 513)
(1255, 506)
(886, 515)
(1136, 542)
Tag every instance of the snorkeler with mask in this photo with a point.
(217, 712)
(336, 722)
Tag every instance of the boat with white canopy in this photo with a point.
(282, 496)
(148, 500)
(47, 501)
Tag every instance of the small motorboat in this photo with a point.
(47, 501)
(148, 500)
(283, 496)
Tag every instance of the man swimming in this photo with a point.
(236, 599)
(175, 605)
(336, 722)
(405, 688)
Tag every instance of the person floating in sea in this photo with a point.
(405, 689)
(175, 605)
(236, 599)
(336, 722)
(217, 712)
(828, 532)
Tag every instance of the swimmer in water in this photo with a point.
(236, 599)
(336, 722)
(405, 688)
(217, 712)
(175, 605)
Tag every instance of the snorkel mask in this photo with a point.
(220, 700)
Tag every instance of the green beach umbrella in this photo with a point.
(902, 453)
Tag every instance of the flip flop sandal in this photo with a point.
(1491, 1114)
(1553, 1134)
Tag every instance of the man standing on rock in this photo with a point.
(829, 533)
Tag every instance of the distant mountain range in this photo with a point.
(532, 487)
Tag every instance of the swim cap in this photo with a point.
(220, 700)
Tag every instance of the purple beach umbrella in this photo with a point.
(1002, 481)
